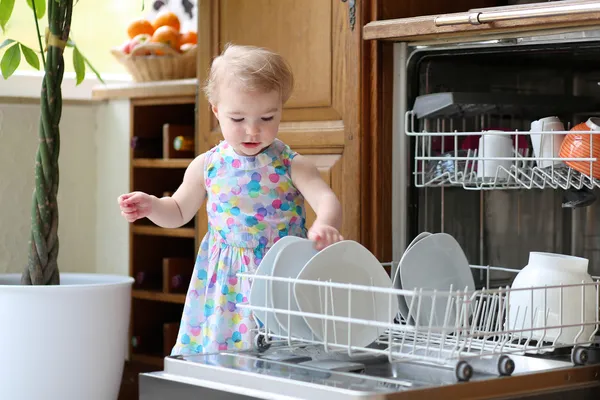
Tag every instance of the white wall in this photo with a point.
(112, 179)
(93, 172)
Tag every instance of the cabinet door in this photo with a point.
(320, 120)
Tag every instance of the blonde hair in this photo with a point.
(254, 68)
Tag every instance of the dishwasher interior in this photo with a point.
(505, 88)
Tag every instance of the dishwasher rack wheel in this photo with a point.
(260, 343)
(506, 366)
(463, 371)
(579, 355)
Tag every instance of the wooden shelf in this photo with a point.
(158, 296)
(158, 231)
(163, 89)
(158, 110)
(161, 163)
(148, 359)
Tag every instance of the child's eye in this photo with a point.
(237, 119)
(267, 118)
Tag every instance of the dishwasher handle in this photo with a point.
(479, 18)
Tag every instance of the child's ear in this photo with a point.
(215, 110)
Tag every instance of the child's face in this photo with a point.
(249, 120)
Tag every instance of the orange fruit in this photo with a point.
(188, 37)
(166, 18)
(138, 27)
(166, 35)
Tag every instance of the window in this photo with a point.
(97, 26)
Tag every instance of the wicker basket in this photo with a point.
(157, 62)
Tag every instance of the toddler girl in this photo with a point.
(255, 187)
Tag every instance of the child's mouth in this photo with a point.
(251, 145)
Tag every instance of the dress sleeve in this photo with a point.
(208, 160)
(287, 155)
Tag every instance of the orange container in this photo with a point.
(581, 143)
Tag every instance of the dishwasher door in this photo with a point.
(537, 379)
(162, 386)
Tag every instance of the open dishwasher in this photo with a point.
(475, 350)
(445, 96)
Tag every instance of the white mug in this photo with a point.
(492, 145)
(544, 144)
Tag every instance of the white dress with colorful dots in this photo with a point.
(251, 203)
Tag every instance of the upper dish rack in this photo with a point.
(461, 140)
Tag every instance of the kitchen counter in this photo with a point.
(523, 18)
(171, 88)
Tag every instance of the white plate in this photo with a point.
(345, 262)
(288, 263)
(403, 306)
(435, 263)
(260, 296)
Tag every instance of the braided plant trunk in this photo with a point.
(42, 267)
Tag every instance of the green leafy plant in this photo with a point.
(42, 266)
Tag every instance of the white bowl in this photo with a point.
(346, 262)
(436, 262)
(578, 302)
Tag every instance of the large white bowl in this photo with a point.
(578, 302)
(436, 262)
(346, 262)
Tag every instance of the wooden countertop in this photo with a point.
(178, 87)
(425, 28)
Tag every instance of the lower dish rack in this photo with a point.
(477, 331)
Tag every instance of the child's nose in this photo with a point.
(253, 130)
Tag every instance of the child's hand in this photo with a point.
(135, 205)
(323, 235)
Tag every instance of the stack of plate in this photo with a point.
(345, 262)
(432, 262)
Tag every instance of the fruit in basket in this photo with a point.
(166, 18)
(185, 47)
(125, 48)
(138, 40)
(139, 26)
(166, 35)
(189, 37)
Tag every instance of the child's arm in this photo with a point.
(169, 212)
(320, 197)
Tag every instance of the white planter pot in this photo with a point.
(67, 341)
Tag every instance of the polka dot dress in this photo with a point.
(251, 203)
